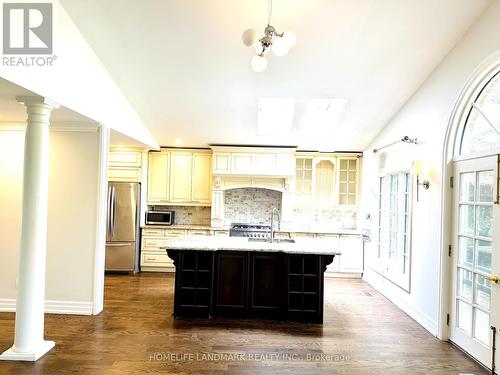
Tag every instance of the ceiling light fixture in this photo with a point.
(279, 43)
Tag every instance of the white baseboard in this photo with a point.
(52, 307)
(377, 282)
(343, 275)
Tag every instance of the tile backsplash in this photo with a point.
(250, 205)
(189, 215)
(254, 205)
(318, 218)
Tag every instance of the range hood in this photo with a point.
(252, 167)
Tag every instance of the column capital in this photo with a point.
(30, 100)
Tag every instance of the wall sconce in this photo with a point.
(419, 169)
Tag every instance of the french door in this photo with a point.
(476, 220)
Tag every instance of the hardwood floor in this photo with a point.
(363, 333)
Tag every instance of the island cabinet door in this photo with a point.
(231, 297)
(267, 289)
(304, 287)
(193, 283)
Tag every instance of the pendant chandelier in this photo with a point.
(272, 40)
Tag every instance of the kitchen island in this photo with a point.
(250, 277)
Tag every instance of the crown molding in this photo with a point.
(59, 126)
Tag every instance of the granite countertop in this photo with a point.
(284, 230)
(301, 245)
(181, 226)
(320, 231)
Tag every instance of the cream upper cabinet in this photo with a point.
(125, 164)
(158, 177)
(304, 180)
(253, 161)
(201, 178)
(348, 181)
(241, 163)
(325, 182)
(180, 177)
(222, 163)
(326, 179)
(125, 158)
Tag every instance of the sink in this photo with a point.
(276, 240)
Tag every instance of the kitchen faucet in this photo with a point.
(275, 210)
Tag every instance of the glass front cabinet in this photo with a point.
(326, 180)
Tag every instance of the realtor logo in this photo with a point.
(27, 28)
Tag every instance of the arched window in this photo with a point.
(481, 131)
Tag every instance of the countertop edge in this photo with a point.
(284, 251)
(353, 232)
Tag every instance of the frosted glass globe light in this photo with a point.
(279, 47)
(289, 38)
(258, 63)
(249, 37)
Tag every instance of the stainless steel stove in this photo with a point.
(250, 230)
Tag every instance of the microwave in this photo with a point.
(160, 217)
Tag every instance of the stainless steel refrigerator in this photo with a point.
(122, 232)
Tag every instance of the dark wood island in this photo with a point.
(246, 278)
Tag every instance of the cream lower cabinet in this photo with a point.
(179, 177)
(350, 263)
(199, 232)
(351, 247)
(153, 257)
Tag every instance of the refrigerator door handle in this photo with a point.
(113, 211)
(117, 244)
(108, 215)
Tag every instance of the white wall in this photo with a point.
(72, 218)
(426, 116)
(78, 81)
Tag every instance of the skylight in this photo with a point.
(322, 114)
(306, 117)
(275, 116)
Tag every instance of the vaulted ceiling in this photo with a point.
(14, 113)
(184, 69)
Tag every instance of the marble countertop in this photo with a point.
(301, 245)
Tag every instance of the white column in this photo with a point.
(29, 344)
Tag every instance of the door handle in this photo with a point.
(494, 279)
(113, 203)
(117, 244)
(497, 182)
(109, 213)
